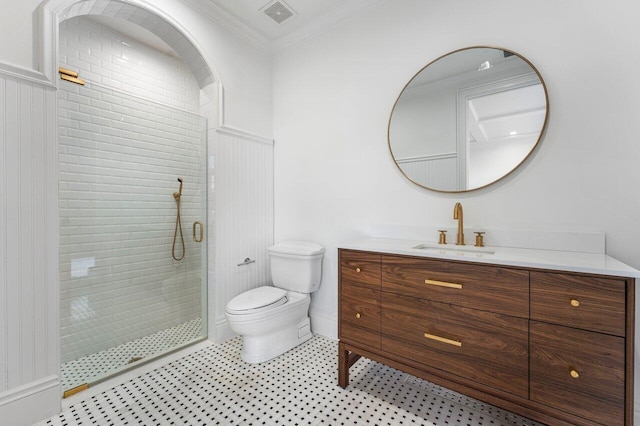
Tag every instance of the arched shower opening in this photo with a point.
(129, 291)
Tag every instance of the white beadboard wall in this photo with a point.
(243, 217)
(240, 219)
(120, 157)
(434, 172)
(29, 342)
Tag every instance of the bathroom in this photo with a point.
(325, 100)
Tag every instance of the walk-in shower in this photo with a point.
(132, 287)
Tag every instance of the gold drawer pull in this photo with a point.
(358, 269)
(575, 303)
(358, 314)
(443, 339)
(443, 284)
(574, 373)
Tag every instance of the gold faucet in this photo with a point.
(457, 214)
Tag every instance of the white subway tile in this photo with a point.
(119, 166)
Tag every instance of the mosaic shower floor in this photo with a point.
(104, 363)
(214, 387)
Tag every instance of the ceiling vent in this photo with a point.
(278, 11)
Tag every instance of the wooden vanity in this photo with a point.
(555, 346)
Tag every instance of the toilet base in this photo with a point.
(257, 349)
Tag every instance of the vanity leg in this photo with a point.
(343, 366)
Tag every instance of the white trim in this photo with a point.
(31, 403)
(216, 14)
(420, 158)
(324, 325)
(29, 389)
(227, 130)
(25, 74)
(322, 24)
(220, 92)
(232, 131)
(46, 37)
(277, 45)
(223, 331)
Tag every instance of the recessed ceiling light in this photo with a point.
(513, 133)
(484, 66)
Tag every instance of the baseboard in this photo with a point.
(30, 403)
(324, 325)
(223, 332)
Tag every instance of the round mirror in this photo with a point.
(468, 119)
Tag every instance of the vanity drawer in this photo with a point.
(484, 287)
(598, 391)
(357, 267)
(485, 347)
(586, 302)
(360, 315)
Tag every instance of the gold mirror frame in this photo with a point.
(516, 165)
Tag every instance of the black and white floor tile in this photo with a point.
(103, 363)
(214, 387)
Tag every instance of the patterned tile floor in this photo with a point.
(104, 363)
(214, 387)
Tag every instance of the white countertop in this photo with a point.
(592, 263)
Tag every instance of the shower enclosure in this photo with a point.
(131, 287)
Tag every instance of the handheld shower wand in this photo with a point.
(177, 196)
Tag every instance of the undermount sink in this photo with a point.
(456, 250)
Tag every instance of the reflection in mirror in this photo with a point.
(468, 119)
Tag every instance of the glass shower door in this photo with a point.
(132, 258)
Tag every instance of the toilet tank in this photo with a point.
(296, 265)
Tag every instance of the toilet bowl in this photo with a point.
(275, 319)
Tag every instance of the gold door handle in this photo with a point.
(443, 284)
(574, 373)
(443, 339)
(195, 225)
(575, 303)
(358, 314)
(358, 269)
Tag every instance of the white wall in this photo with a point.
(335, 178)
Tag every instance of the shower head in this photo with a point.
(178, 194)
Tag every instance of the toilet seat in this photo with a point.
(257, 300)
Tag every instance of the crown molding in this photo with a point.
(322, 24)
(230, 23)
(278, 45)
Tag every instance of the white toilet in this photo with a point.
(273, 320)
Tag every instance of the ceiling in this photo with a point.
(248, 20)
(310, 17)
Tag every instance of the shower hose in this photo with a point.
(177, 196)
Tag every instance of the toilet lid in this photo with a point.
(261, 297)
